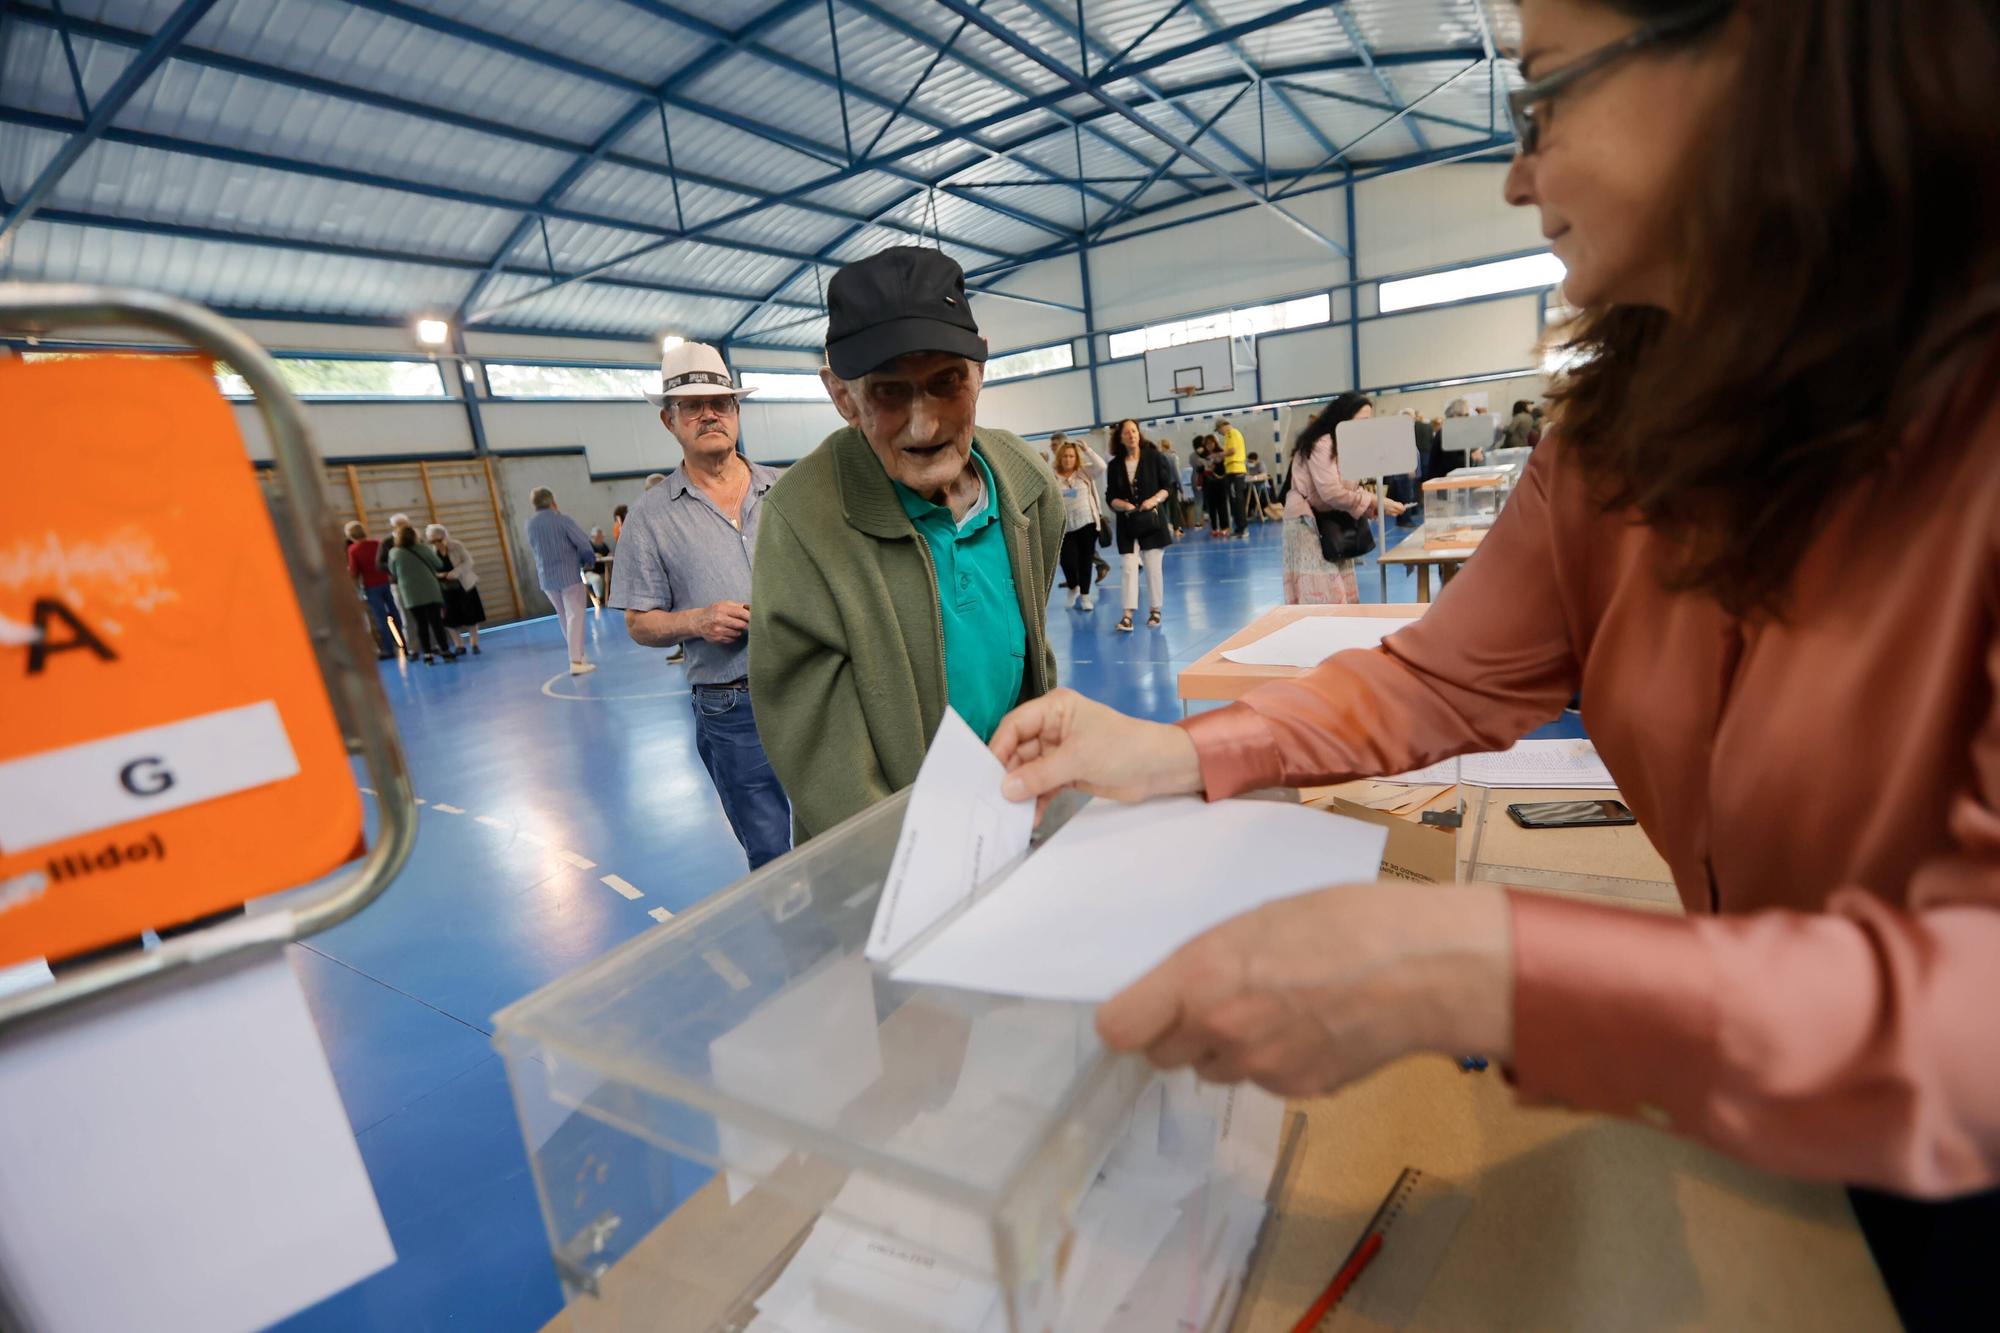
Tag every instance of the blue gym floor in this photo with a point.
(542, 793)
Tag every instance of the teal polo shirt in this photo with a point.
(985, 644)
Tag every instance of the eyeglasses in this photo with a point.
(1523, 101)
(723, 405)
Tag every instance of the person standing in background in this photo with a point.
(464, 608)
(1137, 487)
(1078, 470)
(593, 577)
(1235, 466)
(1520, 426)
(1214, 488)
(682, 576)
(364, 567)
(415, 567)
(1318, 488)
(561, 554)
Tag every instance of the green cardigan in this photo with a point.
(846, 641)
(416, 571)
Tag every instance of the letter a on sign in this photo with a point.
(156, 678)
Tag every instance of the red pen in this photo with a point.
(1342, 1280)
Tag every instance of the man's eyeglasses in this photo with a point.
(723, 405)
(1523, 102)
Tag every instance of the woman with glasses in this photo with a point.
(1762, 538)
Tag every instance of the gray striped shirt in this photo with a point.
(677, 553)
(561, 550)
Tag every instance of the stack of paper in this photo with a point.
(1310, 640)
(1540, 764)
(1159, 1242)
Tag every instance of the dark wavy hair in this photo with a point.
(1840, 241)
(1118, 433)
(1321, 426)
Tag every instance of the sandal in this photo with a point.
(1124, 626)
(1153, 619)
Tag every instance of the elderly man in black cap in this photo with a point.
(905, 564)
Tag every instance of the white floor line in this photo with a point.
(619, 885)
(548, 688)
(579, 861)
(660, 914)
(491, 822)
(442, 808)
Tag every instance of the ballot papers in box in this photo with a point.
(738, 1120)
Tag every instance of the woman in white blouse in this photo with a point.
(463, 607)
(1317, 486)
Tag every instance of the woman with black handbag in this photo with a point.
(1326, 519)
(1078, 471)
(1138, 486)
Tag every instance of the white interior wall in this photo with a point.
(1438, 216)
(1451, 341)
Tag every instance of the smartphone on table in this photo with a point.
(1572, 814)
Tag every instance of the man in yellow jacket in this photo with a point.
(1235, 468)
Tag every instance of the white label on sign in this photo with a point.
(79, 789)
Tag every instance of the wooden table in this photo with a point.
(1212, 676)
(1413, 552)
(1531, 1217)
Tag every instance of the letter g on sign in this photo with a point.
(145, 777)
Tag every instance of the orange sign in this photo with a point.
(167, 749)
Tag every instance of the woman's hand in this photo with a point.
(1122, 506)
(1394, 508)
(1310, 993)
(1065, 740)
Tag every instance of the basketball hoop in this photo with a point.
(1186, 390)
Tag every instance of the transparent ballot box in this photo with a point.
(1459, 508)
(737, 1122)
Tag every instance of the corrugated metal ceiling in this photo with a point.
(374, 158)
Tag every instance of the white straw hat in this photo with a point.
(693, 370)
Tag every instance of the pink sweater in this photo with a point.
(1826, 790)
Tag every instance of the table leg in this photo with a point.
(1423, 583)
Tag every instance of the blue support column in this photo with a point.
(1353, 293)
(469, 391)
(1090, 333)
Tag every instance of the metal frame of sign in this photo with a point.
(359, 706)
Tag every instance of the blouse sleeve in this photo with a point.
(1489, 662)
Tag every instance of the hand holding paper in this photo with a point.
(958, 833)
(1309, 993)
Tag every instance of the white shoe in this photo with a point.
(582, 668)
(1084, 603)
(1073, 595)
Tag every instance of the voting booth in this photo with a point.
(738, 1122)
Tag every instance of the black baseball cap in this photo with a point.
(908, 298)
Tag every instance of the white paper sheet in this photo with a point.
(1560, 765)
(175, 1157)
(1308, 641)
(1120, 887)
(958, 832)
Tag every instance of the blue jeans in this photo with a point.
(383, 607)
(725, 735)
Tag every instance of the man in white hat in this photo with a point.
(682, 576)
